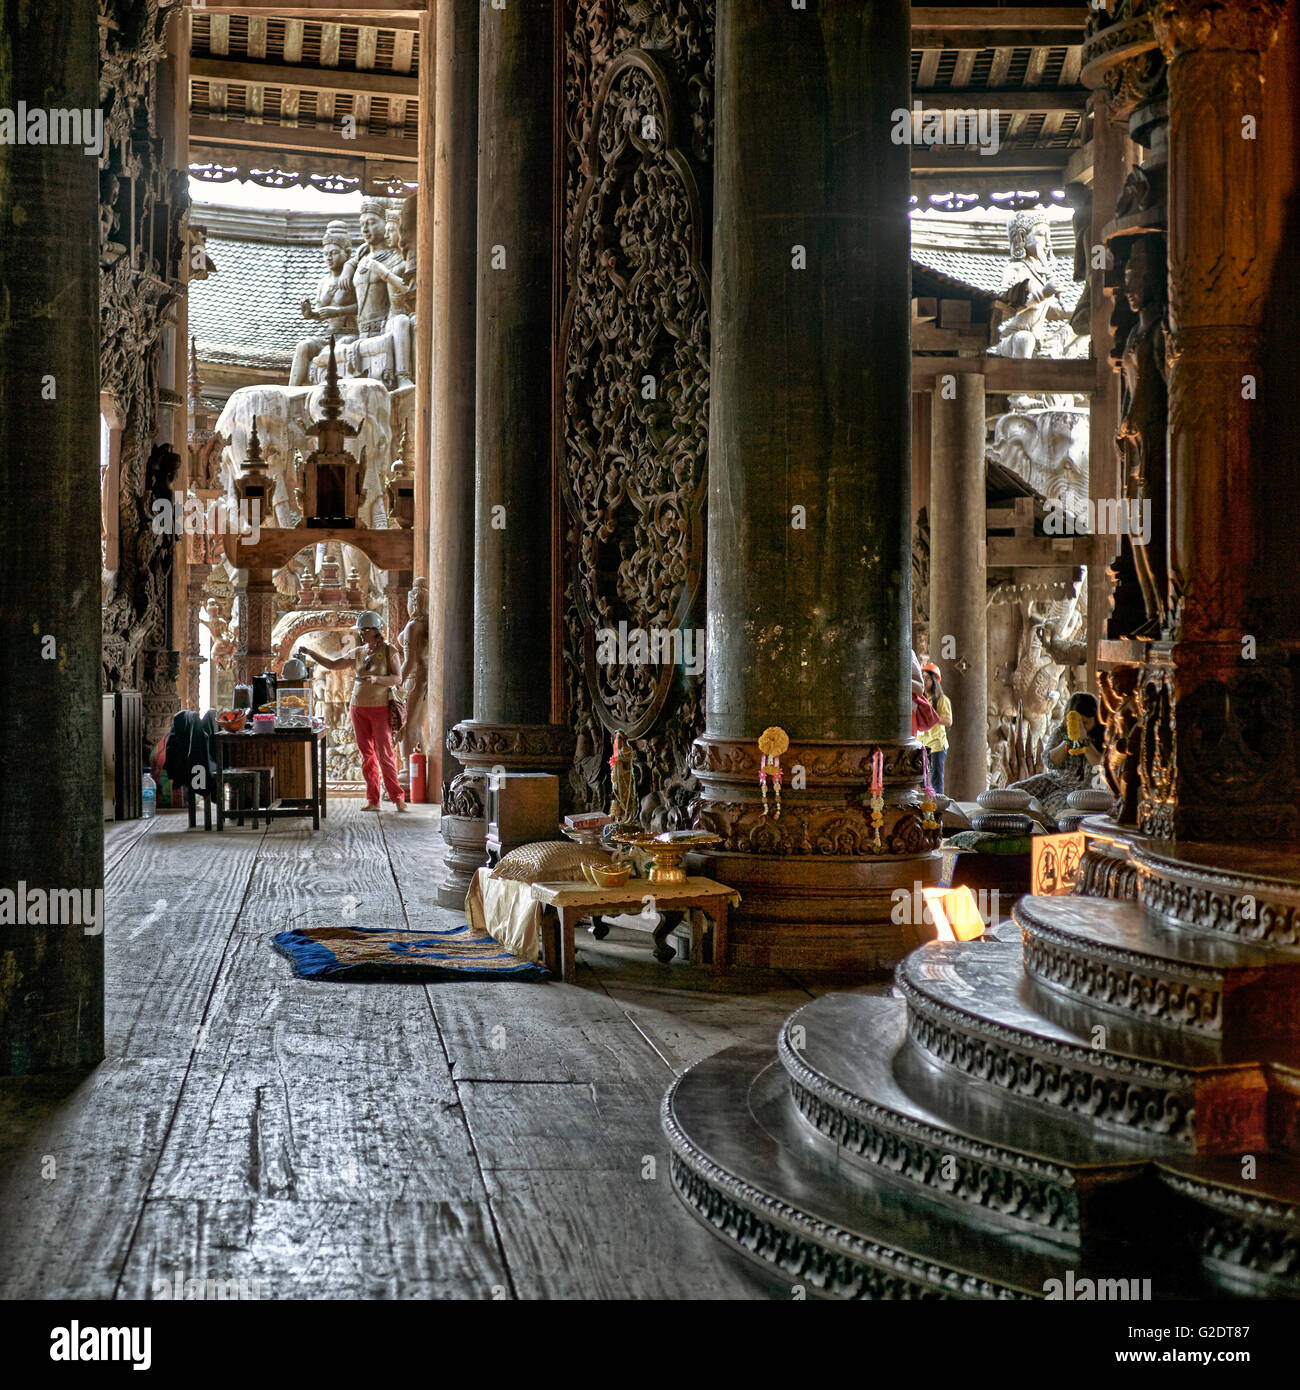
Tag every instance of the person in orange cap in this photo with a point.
(935, 738)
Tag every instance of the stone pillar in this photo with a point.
(958, 570)
(809, 572)
(453, 273)
(511, 727)
(51, 828)
(255, 605)
(1214, 689)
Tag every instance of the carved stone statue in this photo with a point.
(414, 640)
(376, 273)
(1031, 318)
(334, 306)
(1030, 298)
(1141, 436)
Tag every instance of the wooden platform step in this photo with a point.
(743, 1165)
(970, 1010)
(856, 1084)
(1111, 955)
(1241, 1217)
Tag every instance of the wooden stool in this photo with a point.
(247, 783)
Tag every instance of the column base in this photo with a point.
(483, 748)
(821, 914)
(815, 893)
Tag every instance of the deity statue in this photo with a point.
(375, 271)
(1141, 436)
(335, 304)
(223, 641)
(622, 807)
(1032, 320)
(414, 640)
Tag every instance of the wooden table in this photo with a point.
(314, 805)
(564, 903)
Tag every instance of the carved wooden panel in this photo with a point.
(633, 380)
(142, 210)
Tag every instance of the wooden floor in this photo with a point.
(468, 1140)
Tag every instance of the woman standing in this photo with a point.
(377, 669)
(935, 739)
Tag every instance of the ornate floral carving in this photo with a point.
(1103, 1086)
(464, 797)
(1190, 26)
(1125, 981)
(825, 764)
(143, 206)
(516, 745)
(632, 421)
(833, 1260)
(1004, 1181)
(843, 829)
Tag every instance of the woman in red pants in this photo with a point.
(377, 668)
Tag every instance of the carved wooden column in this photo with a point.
(454, 276)
(511, 727)
(51, 829)
(809, 577)
(1221, 694)
(255, 604)
(958, 583)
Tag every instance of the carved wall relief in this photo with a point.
(632, 408)
(143, 206)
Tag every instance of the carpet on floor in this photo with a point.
(388, 953)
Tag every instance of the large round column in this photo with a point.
(511, 727)
(958, 570)
(51, 826)
(1206, 689)
(809, 572)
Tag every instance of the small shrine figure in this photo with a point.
(622, 808)
(772, 742)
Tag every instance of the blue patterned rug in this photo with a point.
(385, 953)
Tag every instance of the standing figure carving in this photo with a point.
(1032, 320)
(414, 641)
(375, 272)
(1141, 436)
(334, 307)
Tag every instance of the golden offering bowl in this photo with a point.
(607, 875)
(671, 847)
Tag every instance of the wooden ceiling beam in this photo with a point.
(1038, 99)
(1067, 375)
(321, 141)
(941, 159)
(370, 82)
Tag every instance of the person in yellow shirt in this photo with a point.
(936, 739)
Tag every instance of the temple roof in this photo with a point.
(249, 312)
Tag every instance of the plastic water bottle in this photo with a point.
(149, 797)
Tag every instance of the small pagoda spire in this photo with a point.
(332, 399)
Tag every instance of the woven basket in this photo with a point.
(1089, 799)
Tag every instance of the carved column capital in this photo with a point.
(1193, 26)
(518, 747)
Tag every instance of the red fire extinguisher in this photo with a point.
(418, 777)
